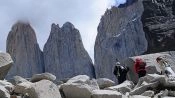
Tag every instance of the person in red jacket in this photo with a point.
(139, 67)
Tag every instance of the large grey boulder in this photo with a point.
(104, 83)
(42, 76)
(44, 89)
(4, 93)
(64, 53)
(139, 96)
(148, 93)
(79, 90)
(21, 88)
(18, 79)
(144, 87)
(5, 64)
(6, 89)
(152, 65)
(79, 79)
(106, 94)
(41, 89)
(23, 47)
(150, 78)
(124, 87)
(120, 35)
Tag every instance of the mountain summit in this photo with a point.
(23, 47)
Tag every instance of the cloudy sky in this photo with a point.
(84, 14)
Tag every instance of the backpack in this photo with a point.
(142, 65)
(116, 71)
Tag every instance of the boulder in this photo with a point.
(150, 78)
(79, 90)
(152, 65)
(5, 64)
(46, 76)
(64, 53)
(79, 79)
(106, 94)
(148, 93)
(171, 93)
(21, 88)
(169, 84)
(162, 94)
(124, 87)
(15, 96)
(92, 83)
(4, 93)
(144, 87)
(43, 89)
(23, 47)
(17, 79)
(6, 89)
(104, 83)
(139, 96)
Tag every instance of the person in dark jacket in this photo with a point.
(120, 72)
(139, 67)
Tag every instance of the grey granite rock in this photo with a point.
(5, 64)
(43, 76)
(23, 47)
(106, 94)
(43, 89)
(158, 21)
(104, 83)
(64, 53)
(151, 64)
(137, 27)
(120, 35)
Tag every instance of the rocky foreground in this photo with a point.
(46, 85)
(81, 86)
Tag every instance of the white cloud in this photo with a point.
(84, 14)
(118, 2)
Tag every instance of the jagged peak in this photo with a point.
(55, 25)
(68, 25)
(21, 24)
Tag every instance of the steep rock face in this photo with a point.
(23, 47)
(120, 35)
(64, 53)
(159, 24)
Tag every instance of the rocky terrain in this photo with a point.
(135, 28)
(65, 70)
(45, 85)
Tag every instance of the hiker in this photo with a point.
(165, 67)
(139, 67)
(120, 72)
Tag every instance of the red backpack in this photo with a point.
(139, 65)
